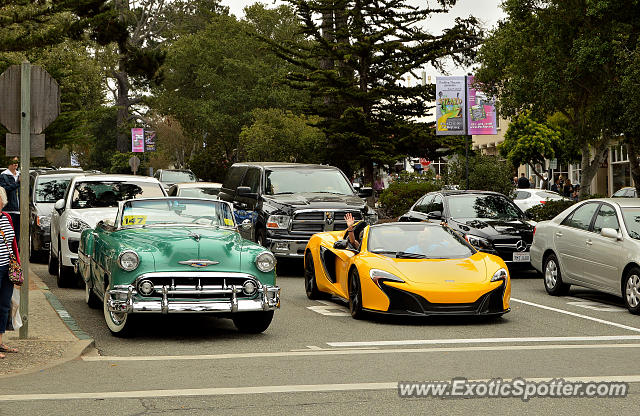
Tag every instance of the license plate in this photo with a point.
(521, 257)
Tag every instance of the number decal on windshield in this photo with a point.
(228, 221)
(134, 220)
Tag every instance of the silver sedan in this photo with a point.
(595, 244)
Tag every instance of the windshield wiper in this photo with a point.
(283, 193)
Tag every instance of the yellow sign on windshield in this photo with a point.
(134, 220)
(228, 221)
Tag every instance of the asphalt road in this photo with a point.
(317, 360)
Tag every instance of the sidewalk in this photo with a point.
(54, 337)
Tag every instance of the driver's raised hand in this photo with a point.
(349, 219)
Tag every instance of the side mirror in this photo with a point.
(365, 192)
(59, 205)
(610, 233)
(246, 225)
(245, 191)
(340, 245)
(435, 215)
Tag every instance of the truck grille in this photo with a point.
(309, 222)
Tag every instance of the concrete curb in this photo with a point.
(84, 344)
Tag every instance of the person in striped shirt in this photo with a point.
(8, 246)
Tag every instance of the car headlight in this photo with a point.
(128, 260)
(278, 221)
(77, 225)
(478, 242)
(501, 274)
(378, 276)
(43, 221)
(265, 261)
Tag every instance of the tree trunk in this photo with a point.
(590, 167)
(545, 182)
(632, 151)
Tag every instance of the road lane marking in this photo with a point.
(480, 340)
(291, 388)
(329, 309)
(602, 321)
(234, 356)
(596, 306)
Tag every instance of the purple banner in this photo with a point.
(481, 111)
(137, 140)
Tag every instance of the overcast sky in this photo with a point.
(487, 11)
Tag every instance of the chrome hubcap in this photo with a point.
(551, 274)
(633, 290)
(116, 318)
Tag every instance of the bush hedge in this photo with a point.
(404, 191)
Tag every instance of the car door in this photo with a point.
(603, 257)
(421, 208)
(570, 240)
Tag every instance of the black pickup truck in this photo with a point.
(286, 203)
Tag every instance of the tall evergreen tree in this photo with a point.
(355, 65)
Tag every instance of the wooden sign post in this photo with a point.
(29, 102)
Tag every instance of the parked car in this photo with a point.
(176, 255)
(406, 268)
(169, 177)
(209, 190)
(89, 199)
(46, 188)
(489, 221)
(626, 192)
(594, 244)
(286, 203)
(529, 198)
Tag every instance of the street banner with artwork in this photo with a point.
(137, 140)
(481, 110)
(149, 141)
(450, 108)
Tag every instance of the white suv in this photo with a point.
(88, 200)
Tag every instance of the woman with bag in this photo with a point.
(9, 264)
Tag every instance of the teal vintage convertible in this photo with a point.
(177, 255)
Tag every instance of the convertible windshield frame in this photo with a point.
(448, 241)
(228, 221)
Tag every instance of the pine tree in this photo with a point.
(354, 65)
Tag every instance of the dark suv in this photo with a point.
(286, 203)
(488, 220)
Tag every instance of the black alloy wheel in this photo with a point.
(355, 295)
(310, 278)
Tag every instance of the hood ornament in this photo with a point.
(198, 263)
(194, 236)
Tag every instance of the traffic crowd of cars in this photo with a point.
(173, 244)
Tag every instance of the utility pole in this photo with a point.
(25, 165)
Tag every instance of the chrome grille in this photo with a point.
(309, 222)
(197, 285)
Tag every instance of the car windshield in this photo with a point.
(299, 180)
(495, 207)
(49, 190)
(107, 194)
(204, 192)
(417, 240)
(173, 176)
(631, 217)
(176, 211)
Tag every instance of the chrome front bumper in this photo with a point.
(121, 299)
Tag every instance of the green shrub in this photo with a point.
(548, 210)
(486, 173)
(403, 192)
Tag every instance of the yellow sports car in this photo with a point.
(405, 268)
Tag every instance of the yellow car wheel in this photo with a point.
(355, 295)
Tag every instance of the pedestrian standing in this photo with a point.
(523, 182)
(8, 247)
(568, 188)
(556, 187)
(10, 181)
